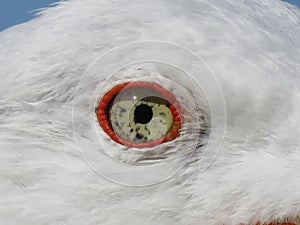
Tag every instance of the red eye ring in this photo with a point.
(175, 109)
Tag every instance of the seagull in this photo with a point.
(226, 71)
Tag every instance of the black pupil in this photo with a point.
(143, 114)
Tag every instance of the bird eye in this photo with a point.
(139, 114)
(157, 104)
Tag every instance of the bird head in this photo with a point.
(228, 70)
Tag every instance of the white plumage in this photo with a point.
(253, 48)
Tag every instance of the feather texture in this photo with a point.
(253, 48)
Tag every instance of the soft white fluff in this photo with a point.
(252, 46)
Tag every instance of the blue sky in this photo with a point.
(295, 2)
(13, 12)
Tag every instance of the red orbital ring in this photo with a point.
(175, 109)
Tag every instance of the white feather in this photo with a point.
(253, 47)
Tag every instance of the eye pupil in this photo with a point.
(143, 114)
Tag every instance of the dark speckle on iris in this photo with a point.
(139, 136)
(121, 111)
(162, 114)
(161, 121)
